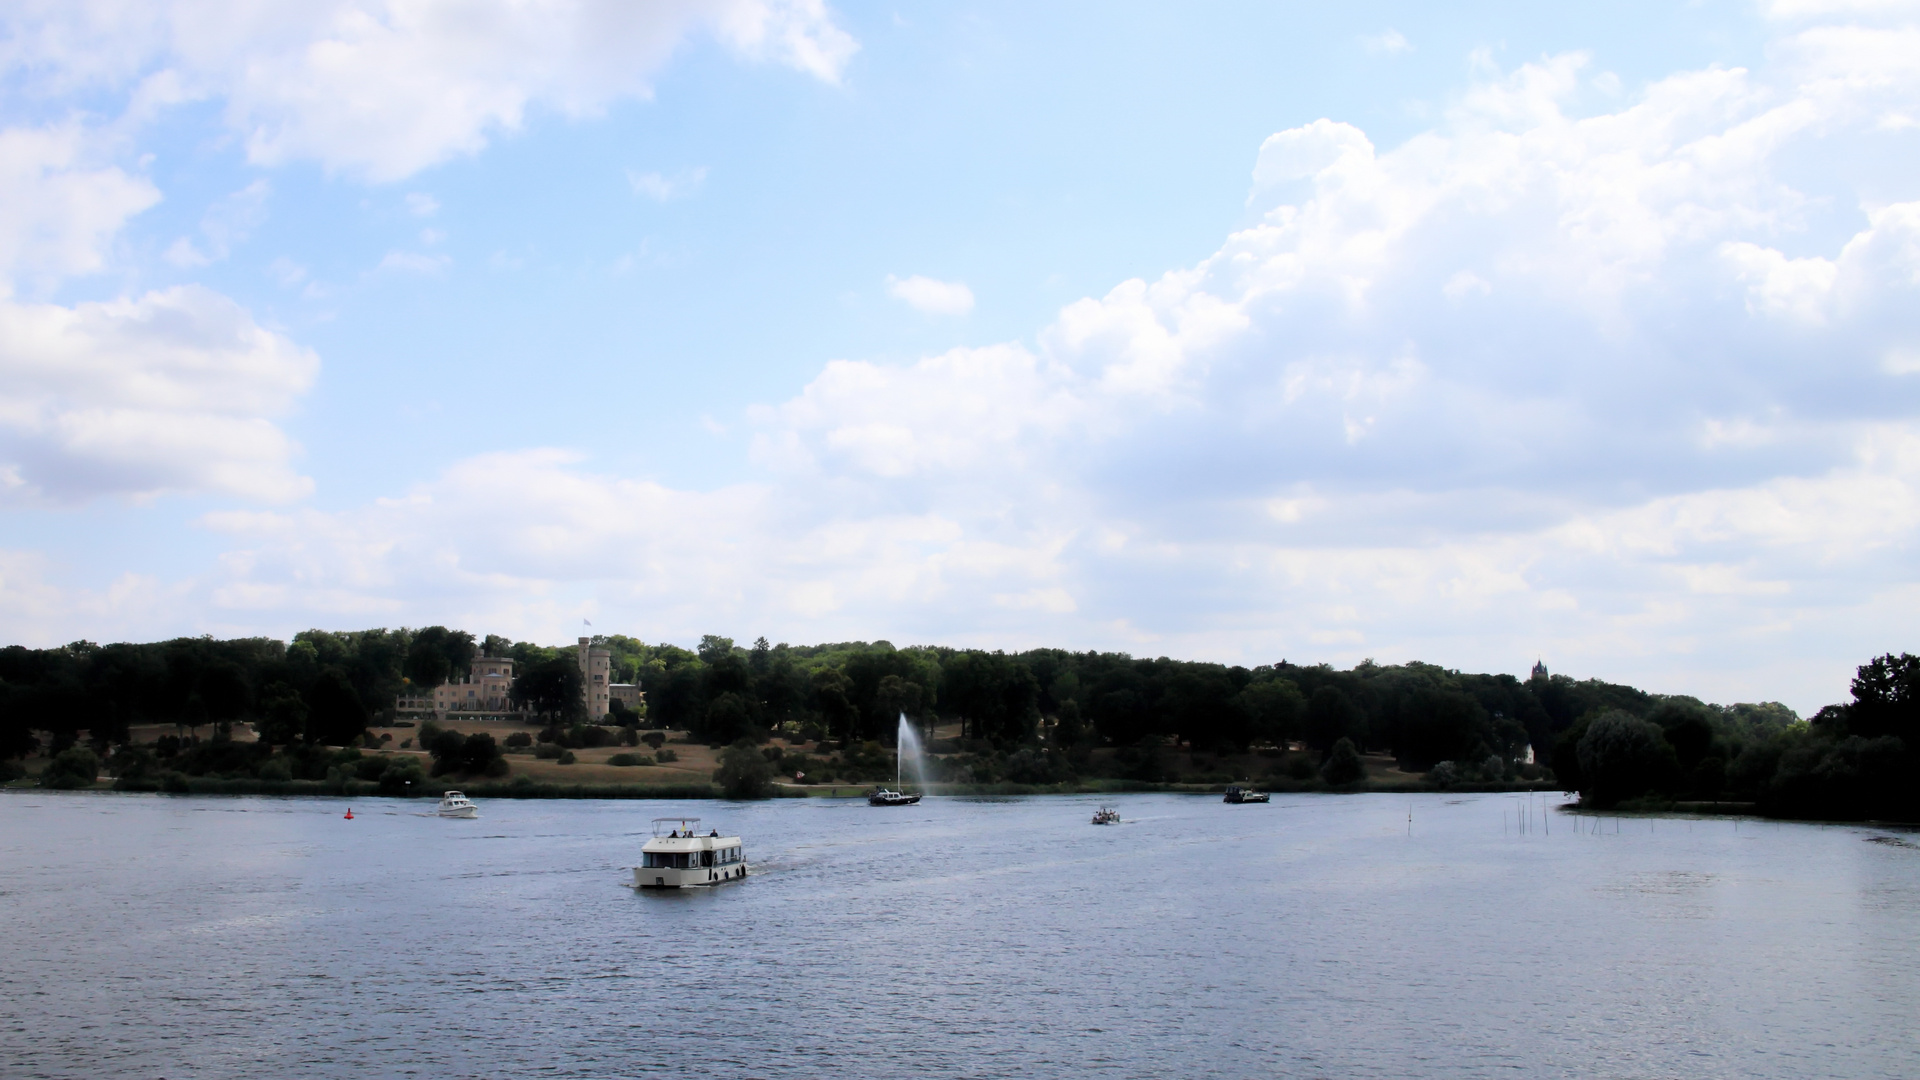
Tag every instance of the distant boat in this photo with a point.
(884, 797)
(454, 804)
(1238, 794)
(682, 859)
(1106, 815)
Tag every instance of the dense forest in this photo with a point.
(1031, 717)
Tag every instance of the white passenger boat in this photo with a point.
(681, 858)
(454, 804)
(1238, 794)
(888, 797)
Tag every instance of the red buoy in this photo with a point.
(349, 813)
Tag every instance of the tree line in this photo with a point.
(1610, 741)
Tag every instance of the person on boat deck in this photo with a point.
(715, 832)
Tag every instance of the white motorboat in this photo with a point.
(454, 804)
(1238, 794)
(886, 797)
(681, 858)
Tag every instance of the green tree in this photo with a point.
(1343, 765)
(744, 772)
(73, 768)
(550, 689)
(1274, 709)
(1332, 716)
(283, 715)
(335, 715)
(1623, 757)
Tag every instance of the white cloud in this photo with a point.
(420, 204)
(173, 391)
(61, 204)
(385, 88)
(1387, 41)
(662, 188)
(925, 294)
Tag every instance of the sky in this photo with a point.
(1473, 334)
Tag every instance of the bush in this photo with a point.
(1343, 765)
(474, 755)
(403, 776)
(548, 751)
(566, 757)
(629, 759)
(276, 769)
(744, 772)
(665, 756)
(70, 769)
(654, 739)
(629, 736)
(519, 739)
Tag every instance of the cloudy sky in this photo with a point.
(1468, 333)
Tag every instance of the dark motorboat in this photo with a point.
(884, 797)
(1238, 794)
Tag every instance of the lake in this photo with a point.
(1319, 936)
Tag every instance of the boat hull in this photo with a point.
(467, 812)
(695, 877)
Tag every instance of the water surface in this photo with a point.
(179, 937)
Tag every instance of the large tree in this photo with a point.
(551, 690)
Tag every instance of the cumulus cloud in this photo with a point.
(61, 202)
(385, 88)
(931, 296)
(172, 391)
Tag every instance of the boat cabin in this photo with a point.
(680, 856)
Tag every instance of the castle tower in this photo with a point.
(596, 667)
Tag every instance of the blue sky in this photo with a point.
(1229, 332)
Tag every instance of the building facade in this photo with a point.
(485, 693)
(596, 680)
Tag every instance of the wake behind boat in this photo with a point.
(454, 804)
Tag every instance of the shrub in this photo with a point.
(665, 756)
(744, 772)
(654, 739)
(399, 774)
(1343, 765)
(276, 769)
(566, 757)
(548, 751)
(629, 736)
(519, 739)
(629, 759)
(474, 755)
(70, 769)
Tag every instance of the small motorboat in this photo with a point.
(1106, 815)
(681, 858)
(885, 797)
(1238, 794)
(454, 804)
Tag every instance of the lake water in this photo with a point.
(153, 936)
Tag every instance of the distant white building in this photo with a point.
(485, 694)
